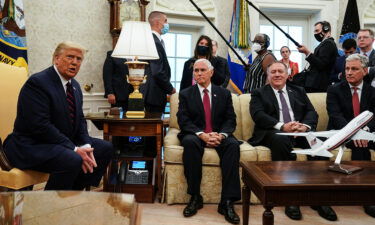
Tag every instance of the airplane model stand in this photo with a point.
(346, 169)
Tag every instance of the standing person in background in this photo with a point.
(292, 66)
(224, 62)
(116, 86)
(365, 40)
(256, 77)
(316, 79)
(158, 84)
(338, 70)
(203, 50)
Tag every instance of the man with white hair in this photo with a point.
(50, 132)
(341, 110)
(207, 119)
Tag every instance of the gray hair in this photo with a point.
(363, 59)
(207, 62)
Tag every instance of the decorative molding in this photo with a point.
(185, 8)
(369, 13)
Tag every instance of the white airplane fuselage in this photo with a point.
(348, 131)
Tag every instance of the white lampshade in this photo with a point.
(136, 41)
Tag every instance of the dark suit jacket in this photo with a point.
(114, 77)
(43, 123)
(190, 113)
(371, 64)
(221, 69)
(340, 108)
(158, 83)
(264, 110)
(321, 63)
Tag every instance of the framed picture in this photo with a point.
(125, 10)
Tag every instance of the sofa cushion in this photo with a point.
(318, 100)
(173, 154)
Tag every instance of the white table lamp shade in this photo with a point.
(136, 41)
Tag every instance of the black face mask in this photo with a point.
(202, 50)
(319, 36)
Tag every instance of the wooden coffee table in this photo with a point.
(286, 183)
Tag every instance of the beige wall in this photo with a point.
(87, 22)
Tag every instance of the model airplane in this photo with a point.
(336, 138)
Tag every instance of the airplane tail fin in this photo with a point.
(313, 141)
(321, 152)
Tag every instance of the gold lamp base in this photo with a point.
(136, 77)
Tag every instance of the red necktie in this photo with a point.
(207, 111)
(355, 102)
(71, 102)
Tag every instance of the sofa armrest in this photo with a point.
(171, 137)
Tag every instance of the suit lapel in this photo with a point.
(292, 97)
(347, 94)
(198, 100)
(60, 93)
(214, 102)
(273, 99)
(76, 103)
(364, 93)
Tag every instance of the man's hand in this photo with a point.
(361, 143)
(88, 158)
(294, 127)
(303, 49)
(212, 139)
(111, 99)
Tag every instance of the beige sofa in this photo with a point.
(174, 181)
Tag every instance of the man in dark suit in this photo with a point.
(158, 84)
(50, 132)
(365, 39)
(116, 86)
(224, 62)
(341, 110)
(321, 61)
(281, 107)
(207, 119)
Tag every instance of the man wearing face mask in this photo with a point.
(317, 77)
(203, 50)
(256, 77)
(158, 84)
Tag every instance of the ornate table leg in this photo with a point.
(268, 215)
(245, 204)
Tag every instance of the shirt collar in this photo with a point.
(359, 87)
(157, 35)
(367, 53)
(63, 80)
(201, 88)
(277, 91)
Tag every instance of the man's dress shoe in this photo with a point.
(293, 212)
(370, 210)
(326, 212)
(226, 208)
(195, 203)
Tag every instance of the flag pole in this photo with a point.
(286, 34)
(225, 40)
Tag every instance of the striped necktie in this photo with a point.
(71, 102)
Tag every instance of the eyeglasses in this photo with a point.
(363, 37)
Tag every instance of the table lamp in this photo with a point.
(136, 42)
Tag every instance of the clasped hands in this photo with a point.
(88, 159)
(294, 127)
(212, 139)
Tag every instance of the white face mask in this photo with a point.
(257, 47)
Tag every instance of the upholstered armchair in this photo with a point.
(11, 80)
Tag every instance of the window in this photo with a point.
(297, 28)
(178, 47)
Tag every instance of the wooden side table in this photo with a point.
(151, 125)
